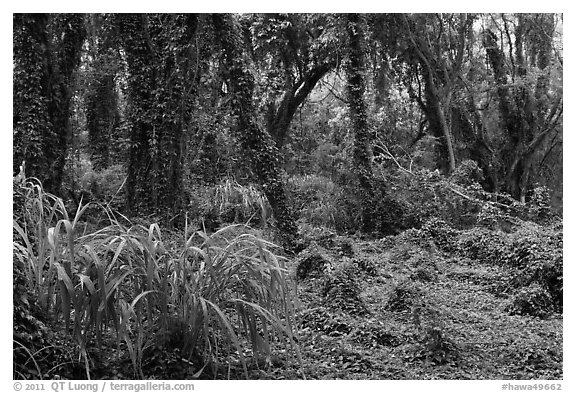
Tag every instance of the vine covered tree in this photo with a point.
(46, 54)
(160, 85)
(362, 136)
(432, 46)
(294, 51)
(254, 140)
(530, 111)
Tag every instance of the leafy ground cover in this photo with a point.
(425, 314)
(396, 308)
(118, 302)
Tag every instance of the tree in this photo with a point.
(258, 144)
(427, 52)
(161, 89)
(46, 54)
(530, 108)
(294, 52)
(355, 71)
(440, 63)
(102, 106)
(31, 122)
(506, 118)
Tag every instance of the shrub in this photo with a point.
(533, 300)
(424, 274)
(324, 319)
(426, 194)
(484, 245)
(435, 345)
(533, 245)
(535, 252)
(319, 201)
(228, 202)
(489, 216)
(105, 186)
(237, 203)
(42, 256)
(467, 173)
(311, 233)
(441, 233)
(342, 290)
(366, 265)
(312, 262)
(322, 202)
(403, 296)
(338, 244)
(308, 188)
(201, 211)
(391, 215)
(550, 275)
(411, 242)
(30, 334)
(371, 334)
(424, 260)
(539, 206)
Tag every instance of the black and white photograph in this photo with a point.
(287, 196)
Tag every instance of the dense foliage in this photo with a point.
(287, 195)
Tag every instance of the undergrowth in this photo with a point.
(218, 299)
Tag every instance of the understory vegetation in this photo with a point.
(444, 298)
(287, 196)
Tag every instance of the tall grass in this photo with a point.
(220, 298)
(234, 202)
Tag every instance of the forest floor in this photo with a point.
(412, 312)
(393, 308)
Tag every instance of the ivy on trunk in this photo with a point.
(46, 54)
(160, 93)
(528, 116)
(355, 88)
(254, 140)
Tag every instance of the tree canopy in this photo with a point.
(174, 99)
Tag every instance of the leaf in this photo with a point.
(67, 292)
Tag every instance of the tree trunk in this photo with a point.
(355, 89)
(437, 105)
(279, 117)
(31, 123)
(439, 114)
(159, 99)
(70, 34)
(467, 127)
(518, 113)
(44, 65)
(254, 140)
